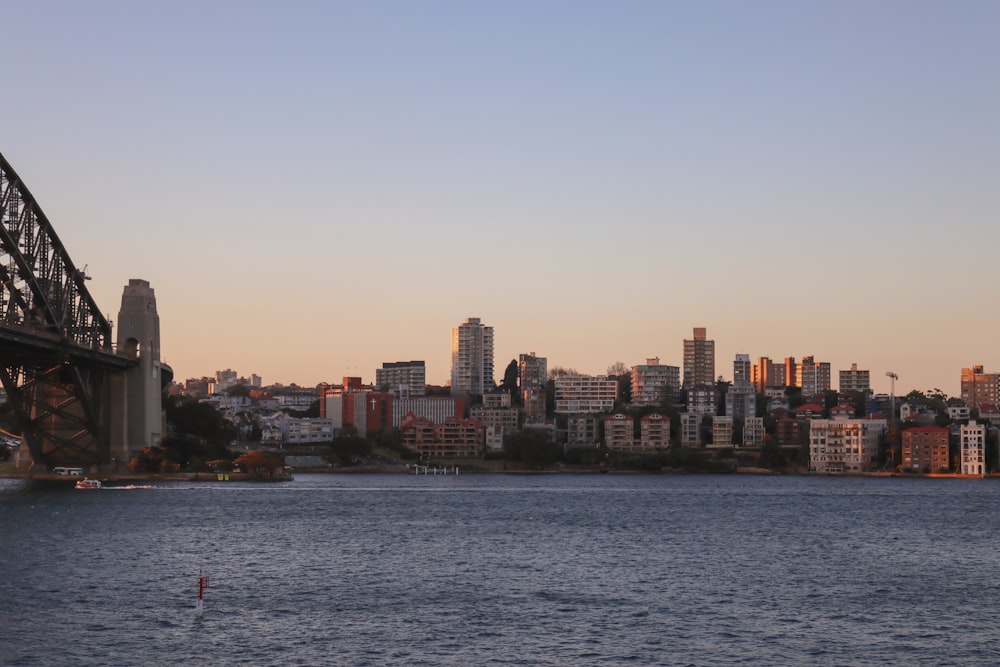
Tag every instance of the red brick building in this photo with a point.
(925, 449)
(452, 438)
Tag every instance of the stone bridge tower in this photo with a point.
(137, 395)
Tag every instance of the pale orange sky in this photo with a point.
(314, 190)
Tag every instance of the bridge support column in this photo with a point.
(136, 407)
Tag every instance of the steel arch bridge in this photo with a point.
(56, 351)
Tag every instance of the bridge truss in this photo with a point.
(55, 346)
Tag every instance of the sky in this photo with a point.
(315, 188)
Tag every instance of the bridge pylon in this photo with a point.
(136, 405)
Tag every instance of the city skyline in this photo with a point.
(315, 190)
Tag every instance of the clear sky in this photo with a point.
(314, 188)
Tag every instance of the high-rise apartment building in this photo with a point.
(855, 380)
(533, 372)
(699, 359)
(402, 378)
(472, 357)
(767, 374)
(813, 376)
(742, 370)
(653, 381)
(979, 387)
(792, 377)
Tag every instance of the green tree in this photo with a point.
(618, 369)
(531, 447)
(241, 390)
(259, 464)
(189, 416)
(348, 449)
(771, 455)
(509, 384)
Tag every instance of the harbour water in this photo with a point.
(504, 570)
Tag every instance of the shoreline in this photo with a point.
(472, 470)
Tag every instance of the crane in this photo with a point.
(892, 392)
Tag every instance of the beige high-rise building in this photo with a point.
(813, 376)
(767, 374)
(472, 357)
(855, 380)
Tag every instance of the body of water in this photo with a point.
(504, 570)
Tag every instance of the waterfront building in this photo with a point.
(690, 429)
(844, 445)
(654, 431)
(925, 449)
(619, 431)
(979, 386)
(722, 431)
(753, 432)
(972, 444)
(403, 378)
(452, 438)
(581, 431)
(472, 357)
(581, 394)
(653, 381)
(855, 380)
(699, 359)
(787, 431)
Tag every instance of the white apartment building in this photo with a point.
(844, 446)
(619, 432)
(972, 441)
(300, 431)
(690, 429)
(654, 432)
(753, 432)
(650, 380)
(581, 431)
(583, 394)
(722, 432)
(855, 380)
(472, 357)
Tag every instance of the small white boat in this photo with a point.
(88, 484)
